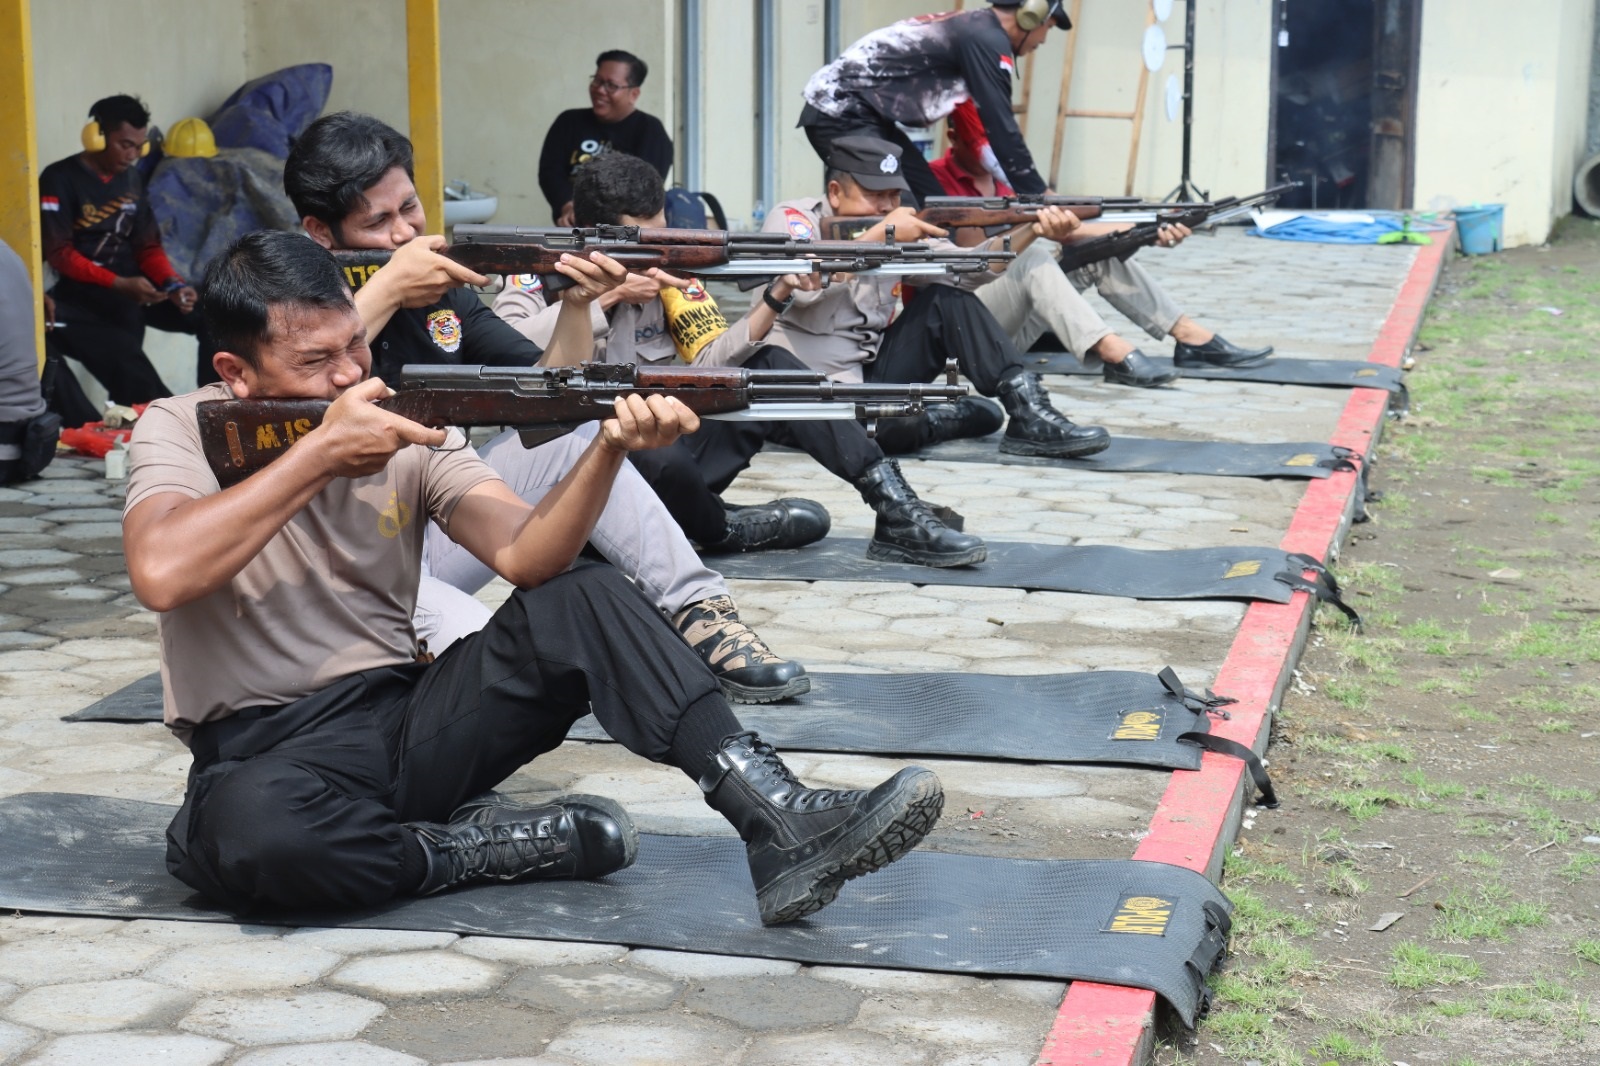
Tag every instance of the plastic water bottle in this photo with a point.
(758, 214)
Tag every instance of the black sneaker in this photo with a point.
(1220, 353)
(747, 669)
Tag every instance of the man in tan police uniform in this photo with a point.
(850, 332)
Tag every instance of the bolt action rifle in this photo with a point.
(240, 437)
(987, 212)
(1075, 254)
(513, 250)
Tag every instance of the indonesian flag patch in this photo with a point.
(799, 224)
(1008, 64)
(49, 203)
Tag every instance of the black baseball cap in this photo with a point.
(872, 161)
(1057, 13)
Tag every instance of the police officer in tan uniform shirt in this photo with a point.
(667, 320)
(850, 332)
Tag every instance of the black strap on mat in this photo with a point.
(1323, 585)
(1143, 924)
(1209, 704)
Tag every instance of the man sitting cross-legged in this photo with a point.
(850, 331)
(350, 179)
(661, 319)
(331, 768)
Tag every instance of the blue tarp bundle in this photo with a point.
(271, 111)
(1340, 231)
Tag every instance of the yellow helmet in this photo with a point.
(190, 137)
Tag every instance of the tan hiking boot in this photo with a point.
(749, 670)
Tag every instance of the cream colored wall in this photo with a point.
(1500, 116)
(509, 67)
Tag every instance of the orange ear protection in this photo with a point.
(94, 139)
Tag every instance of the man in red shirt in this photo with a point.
(101, 237)
(1035, 295)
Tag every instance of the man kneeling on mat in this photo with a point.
(332, 769)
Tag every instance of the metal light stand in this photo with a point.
(1187, 190)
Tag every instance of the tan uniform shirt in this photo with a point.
(330, 595)
(837, 330)
(636, 333)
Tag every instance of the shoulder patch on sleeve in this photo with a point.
(524, 283)
(1008, 64)
(799, 225)
(49, 203)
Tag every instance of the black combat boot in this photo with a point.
(1136, 369)
(802, 843)
(1037, 428)
(747, 669)
(785, 523)
(908, 531)
(969, 416)
(1219, 353)
(492, 839)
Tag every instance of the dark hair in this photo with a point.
(113, 111)
(337, 159)
(614, 184)
(843, 177)
(636, 68)
(260, 271)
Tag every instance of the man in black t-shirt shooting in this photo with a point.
(102, 238)
(611, 123)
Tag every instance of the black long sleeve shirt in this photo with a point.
(917, 71)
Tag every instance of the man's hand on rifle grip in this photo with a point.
(1172, 234)
(907, 227)
(591, 277)
(1055, 223)
(357, 438)
(418, 276)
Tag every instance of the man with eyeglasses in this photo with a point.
(611, 123)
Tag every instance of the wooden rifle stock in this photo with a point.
(240, 437)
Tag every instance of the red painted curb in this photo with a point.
(1110, 1025)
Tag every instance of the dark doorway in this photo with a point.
(1344, 92)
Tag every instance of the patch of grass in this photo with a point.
(1341, 879)
(1430, 789)
(1418, 966)
(1518, 1003)
(1587, 950)
(1579, 867)
(1434, 637)
(1365, 752)
(1550, 518)
(1348, 693)
(1348, 1052)
(1489, 913)
(1364, 803)
(1563, 641)
(1486, 859)
(1241, 867)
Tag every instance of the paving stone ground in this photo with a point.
(84, 990)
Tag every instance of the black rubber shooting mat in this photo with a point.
(137, 702)
(1133, 455)
(1141, 924)
(1230, 573)
(1104, 716)
(1331, 373)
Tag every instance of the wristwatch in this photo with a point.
(778, 306)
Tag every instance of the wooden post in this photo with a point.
(1138, 111)
(1061, 103)
(19, 155)
(426, 110)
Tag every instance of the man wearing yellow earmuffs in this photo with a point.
(101, 237)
